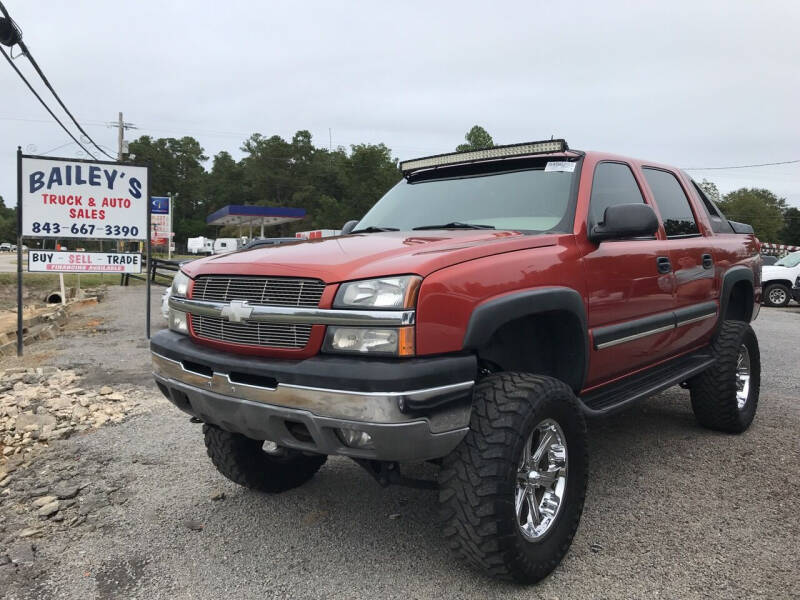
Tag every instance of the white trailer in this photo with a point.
(200, 245)
(223, 245)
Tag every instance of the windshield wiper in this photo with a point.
(371, 229)
(455, 225)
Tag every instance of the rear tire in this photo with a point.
(777, 294)
(503, 510)
(725, 396)
(244, 461)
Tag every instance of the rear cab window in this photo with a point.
(676, 212)
(719, 224)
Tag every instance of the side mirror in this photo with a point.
(625, 221)
(348, 227)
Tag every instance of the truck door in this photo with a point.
(629, 283)
(692, 260)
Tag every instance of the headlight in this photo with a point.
(386, 341)
(386, 292)
(180, 285)
(178, 321)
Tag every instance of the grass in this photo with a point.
(176, 256)
(50, 280)
(35, 286)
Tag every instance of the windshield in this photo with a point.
(790, 260)
(529, 199)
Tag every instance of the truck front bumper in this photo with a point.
(412, 409)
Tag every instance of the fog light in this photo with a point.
(177, 321)
(355, 438)
(271, 447)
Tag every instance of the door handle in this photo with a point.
(708, 262)
(664, 266)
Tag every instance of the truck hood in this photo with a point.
(771, 272)
(365, 255)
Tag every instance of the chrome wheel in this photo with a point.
(742, 377)
(777, 295)
(541, 480)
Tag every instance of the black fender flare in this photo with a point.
(489, 316)
(730, 278)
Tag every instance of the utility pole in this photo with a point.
(120, 137)
(122, 126)
(121, 149)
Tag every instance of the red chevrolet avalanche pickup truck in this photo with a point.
(476, 315)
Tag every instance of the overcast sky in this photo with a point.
(694, 84)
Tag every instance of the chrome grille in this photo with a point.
(264, 291)
(248, 333)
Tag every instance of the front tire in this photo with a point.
(725, 396)
(512, 493)
(246, 462)
(777, 294)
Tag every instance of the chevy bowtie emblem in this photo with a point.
(237, 311)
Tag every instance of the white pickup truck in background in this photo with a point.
(781, 281)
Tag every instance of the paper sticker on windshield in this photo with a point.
(563, 166)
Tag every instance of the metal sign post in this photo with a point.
(171, 233)
(19, 250)
(149, 255)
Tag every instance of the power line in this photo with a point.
(26, 51)
(39, 98)
(56, 96)
(784, 162)
(58, 147)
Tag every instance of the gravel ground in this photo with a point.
(672, 510)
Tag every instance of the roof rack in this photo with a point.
(511, 150)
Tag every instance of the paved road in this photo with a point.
(8, 262)
(673, 510)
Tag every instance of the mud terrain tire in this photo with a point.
(718, 398)
(244, 461)
(480, 479)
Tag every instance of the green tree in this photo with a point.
(477, 139)
(176, 167)
(791, 227)
(711, 190)
(224, 182)
(369, 173)
(8, 223)
(759, 207)
(333, 186)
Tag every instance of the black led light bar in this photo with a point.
(455, 158)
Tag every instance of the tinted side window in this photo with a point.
(613, 184)
(719, 224)
(672, 203)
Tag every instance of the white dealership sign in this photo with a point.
(52, 261)
(81, 199)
